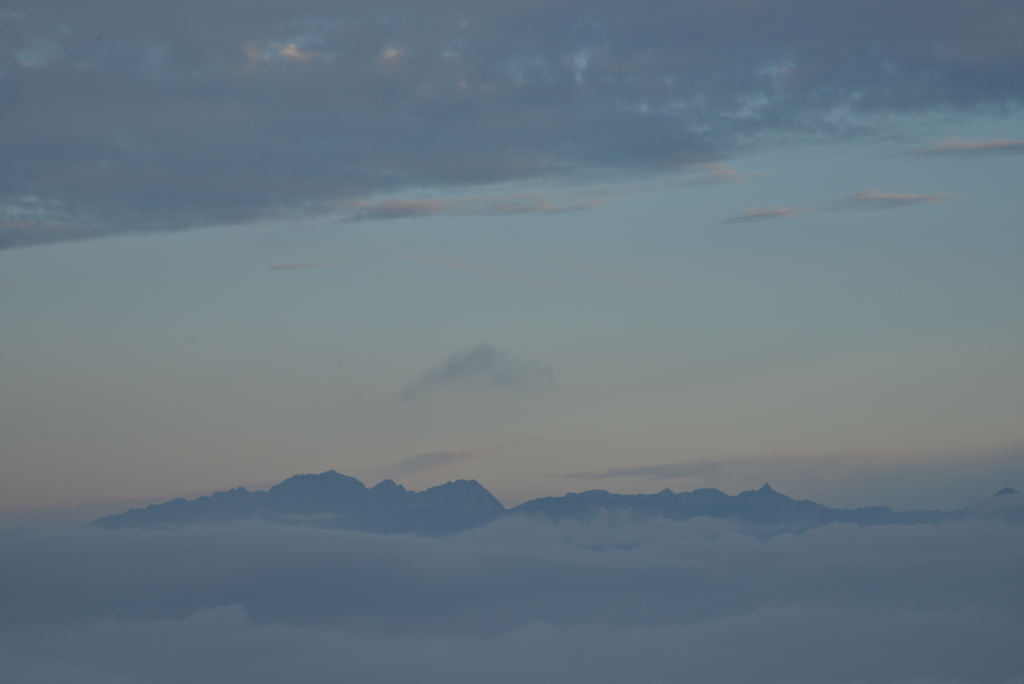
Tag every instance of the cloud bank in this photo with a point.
(133, 117)
(519, 600)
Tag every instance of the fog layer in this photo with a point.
(518, 600)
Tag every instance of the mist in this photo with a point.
(612, 600)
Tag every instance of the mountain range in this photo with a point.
(336, 500)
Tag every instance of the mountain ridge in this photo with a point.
(337, 500)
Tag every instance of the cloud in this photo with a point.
(521, 203)
(518, 600)
(483, 367)
(310, 264)
(625, 279)
(143, 121)
(399, 208)
(865, 200)
(767, 214)
(957, 147)
(710, 174)
(539, 204)
(666, 471)
(466, 267)
(904, 481)
(873, 199)
(421, 463)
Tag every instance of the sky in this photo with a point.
(548, 246)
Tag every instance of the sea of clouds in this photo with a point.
(614, 600)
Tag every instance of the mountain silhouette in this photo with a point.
(336, 500)
(764, 506)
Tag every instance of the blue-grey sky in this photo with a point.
(548, 246)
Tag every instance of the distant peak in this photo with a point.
(766, 488)
(462, 484)
(1005, 491)
(388, 485)
(327, 479)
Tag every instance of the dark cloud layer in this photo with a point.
(120, 116)
(520, 600)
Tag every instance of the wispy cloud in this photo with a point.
(957, 147)
(475, 269)
(540, 204)
(519, 203)
(767, 214)
(860, 201)
(710, 174)
(482, 367)
(422, 463)
(310, 264)
(578, 198)
(842, 478)
(666, 471)
(387, 209)
(624, 278)
(873, 199)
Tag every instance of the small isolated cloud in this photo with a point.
(422, 463)
(957, 147)
(482, 367)
(767, 214)
(873, 199)
(311, 264)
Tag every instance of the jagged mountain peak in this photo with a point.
(345, 501)
(324, 480)
(330, 498)
(387, 485)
